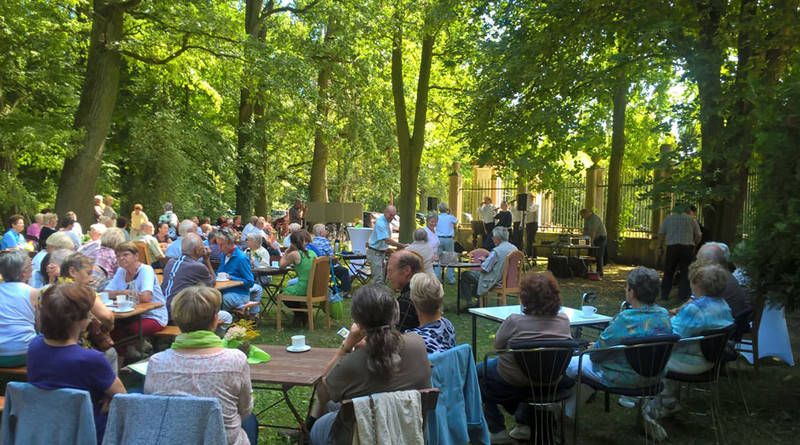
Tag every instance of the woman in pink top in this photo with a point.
(198, 365)
(36, 227)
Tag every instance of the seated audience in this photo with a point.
(476, 283)
(437, 331)
(707, 311)
(162, 235)
(77, 229)
(644, 319)
(293, 227)
(374, 358)
(146, 236)
(13, 238)
(122, 224)
(237, 224)
(67, 223)
(50, 221)
(259, 257)
(301, 258)
(503, 381)
(186, 226)
(236, 264)
(54, 242)
(137, 280)
(17, 308)
(96, 230)
(36, 227)
(198, 365)
(51, 265)
(401, 267)
(105, 256)
(421, 246)
(56, 361)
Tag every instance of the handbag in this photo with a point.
(335, 297)
(99, 335)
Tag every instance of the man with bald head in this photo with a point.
(379, 243)
(187, 226)
(191, 268)
(402, 266)
(735, 295)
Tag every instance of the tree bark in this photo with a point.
(318, 186)
(613, 207)
(76, 186)
(410, 146)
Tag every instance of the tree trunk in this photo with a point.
(613, 207)
(318, 186)
(76, 186)
(410, 146)
(706, 66)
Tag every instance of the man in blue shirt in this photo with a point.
(323, 245)
(445, 230)
(236, 264)
(379, 243)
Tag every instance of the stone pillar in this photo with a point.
(454, 192)
(595, 179)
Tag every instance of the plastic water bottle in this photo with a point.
(336, 246)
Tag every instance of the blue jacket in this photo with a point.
(458, 415)
(58, 417)
(238, 267)
(139, 418)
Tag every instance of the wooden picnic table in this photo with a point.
(222, 285)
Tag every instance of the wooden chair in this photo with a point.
(512, 274)
(317, 292)
(144, 253)
(421, 260)
(477, 256)
(429, 398)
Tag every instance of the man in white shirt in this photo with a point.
(379, 243)
(486, 213)
(445, 231)
(532, 223)
(250, 227)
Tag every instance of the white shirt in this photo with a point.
(433, 240)
(145, 280)
(533, 213)
(77, 229)
(487, 211)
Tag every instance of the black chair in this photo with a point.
(544, 363)
(647, 356)
(712, 345)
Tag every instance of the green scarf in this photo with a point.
(197, 340)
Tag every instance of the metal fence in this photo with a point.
(472, 197)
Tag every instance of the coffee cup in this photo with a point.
(223, 276)
(276, 264)
(104, 298)
(588, 311)
(298, 341)
(125, 305)
(122, 298)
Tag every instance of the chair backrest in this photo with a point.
(319, 277)
(648, 356)
(714, 342)
(512, 270)
(478, 255)
(144, 253)
(543, 361)
(140, 418)
(428, 400)
(38, 416)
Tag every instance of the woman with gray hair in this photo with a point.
(422, 247)
(105, 256)
(436, 330)
(17, 308)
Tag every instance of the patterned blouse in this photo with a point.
(439, 335)
(644, 321)
(105, 258)
(701, 314)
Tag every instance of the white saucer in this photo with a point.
(120, 311)
(588, 316)
(303, 349)
(220, 280)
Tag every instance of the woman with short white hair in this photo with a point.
(437, 331)
(422, 247)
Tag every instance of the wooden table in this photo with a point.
(284, 371)
(499, 313)
(222, 285)
(140, 309)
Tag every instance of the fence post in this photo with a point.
(454, 192)
(594, 187)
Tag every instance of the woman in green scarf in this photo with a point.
(198, 365)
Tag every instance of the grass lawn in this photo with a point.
(773, 398)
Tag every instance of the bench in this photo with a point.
(2, 403)
(18, 371)
(167, 334)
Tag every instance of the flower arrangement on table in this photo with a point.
(239, 335)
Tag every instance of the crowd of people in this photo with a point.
(53, 320)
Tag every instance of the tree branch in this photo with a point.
(268, 11)
(459, 90)
(168, 27)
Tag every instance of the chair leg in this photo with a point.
(310, 317)
(607, 403)
(328, 314)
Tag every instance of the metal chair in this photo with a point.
(544, 362)
(712, 345)
(647, 356)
